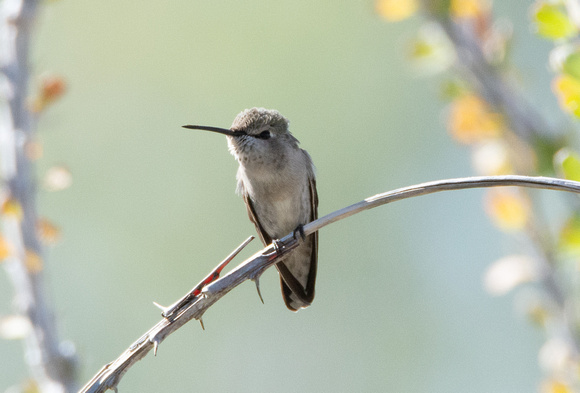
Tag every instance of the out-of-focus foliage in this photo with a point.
(480, 121)
(430, 51)
(509, 272)
(5, 249)
(570, 235)
(567, 89)
(395, 10)
(14, 327)
(571, 65)
(12, 208)
(469, 8)
(567, 164)
(471, 120)
(508, 208)
(50, 89)
(552, 21)
(57, 178)
(48, 232)
(33, 261)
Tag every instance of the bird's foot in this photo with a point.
(278, 246)
(299, 232)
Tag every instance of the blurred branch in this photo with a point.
(252, 268)
(52, 364)
(491, 114)
(493, 85)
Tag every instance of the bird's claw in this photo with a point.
(299, 231)
(277, 246)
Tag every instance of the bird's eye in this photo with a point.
(264, 135)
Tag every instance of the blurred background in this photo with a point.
(400, 304)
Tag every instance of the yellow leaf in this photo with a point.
(30, 385)
(396, 10)
(12, 208)
(538, 314)
(469, 8)
(555, 387)
(569, 240)
(471, 120)
(567, 89)
(5, 249)
(33, 262)
(559, 387)
(33, 150)
(51, 89)
(47, 231)
(508, 208)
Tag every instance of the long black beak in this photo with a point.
(224, 131)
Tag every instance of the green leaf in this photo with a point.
(570, 235)
(430, 51)
(552, 22)
(438, 7)
(546, 149)
(453, 88)
(421, 49)
(571, 65)
(567, 163)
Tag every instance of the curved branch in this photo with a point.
(251, 269)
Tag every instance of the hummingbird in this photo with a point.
(277, 182)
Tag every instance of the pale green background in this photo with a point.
(400, 306)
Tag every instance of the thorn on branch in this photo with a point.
(195, 293)
(256, 281)
(162, 308)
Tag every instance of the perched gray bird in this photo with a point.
(276, 179)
